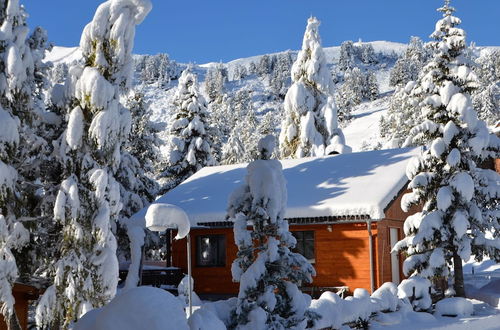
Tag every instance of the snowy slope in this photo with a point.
(63, 54)
(361, 132)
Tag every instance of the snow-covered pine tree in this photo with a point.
(487, 103)
(347, 58)
(215, 80)
(268, 272)
(403, 114)
(410, 64)
(89, 198)
(371, 86)
(280, 76)
(442, 177)
(367, 54)
(189, 141)
(486, 98)
(310, 126)
(241, 146)
(22, 77)
(357, 86)
(137, 171)
(143, 142)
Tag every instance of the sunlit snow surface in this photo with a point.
(354, 184)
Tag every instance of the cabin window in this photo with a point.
(211, 250)
(305, 244)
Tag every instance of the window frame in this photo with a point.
(219, 248)
(301, 241)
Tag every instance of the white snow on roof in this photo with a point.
(355, 184)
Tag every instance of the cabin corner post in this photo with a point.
(370, 252)
(190, 274)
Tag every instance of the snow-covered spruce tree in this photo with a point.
(310, 126)
(189, 142)
(486, 98)
(280, 76)
(347, 58)
(403, 114)
(241, 146)
(214, 82)
(22, 77)
(442, 177)
(367, 54)
(89, 198)
(268, 272)
(137, 169)
(371, 86)
(410, 64)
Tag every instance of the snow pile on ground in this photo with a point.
(138, 308)
(455, 306)
(204, 319)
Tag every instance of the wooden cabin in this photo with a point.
(344, 211)
(23, 294)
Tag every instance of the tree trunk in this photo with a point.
(13, 323)
(459, 276)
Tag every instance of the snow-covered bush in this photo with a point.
(268, 272)
(328, 311)
(385, 298)
(357, 308)
(204, 319)
(310, 124)
(456, 306)
(416, 290)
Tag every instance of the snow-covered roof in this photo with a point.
(355, 184)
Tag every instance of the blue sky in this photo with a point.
(202, 31)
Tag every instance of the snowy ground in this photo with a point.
(484, 317)
(362, 131)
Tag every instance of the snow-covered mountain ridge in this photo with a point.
(361, 131)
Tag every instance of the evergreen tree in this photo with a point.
(214, 82)
(22, 79)
(410, 64)
(442, 178)
(280, 76)
(190, 144)
(487, 103)
(157, 69)
(371, 86)
(367, 54)
(347, 59)
(88, 200)
(268, 272)
(136, 172)
(487, 97)
(403, 114)
(310, 125)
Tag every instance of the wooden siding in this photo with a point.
(395, 218)
(342, 257)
